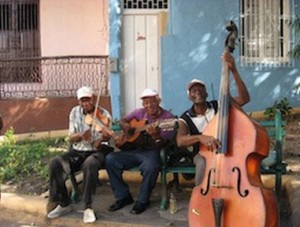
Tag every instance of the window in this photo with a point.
(145, 4)
(19, 38)
(265, 36)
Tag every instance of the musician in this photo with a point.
(86, 154)
(145, 155)
(194, 120)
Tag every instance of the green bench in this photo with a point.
(276, 132)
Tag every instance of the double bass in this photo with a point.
(232, 193)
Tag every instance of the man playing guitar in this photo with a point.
(145, 153)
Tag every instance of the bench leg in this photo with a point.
(176, 182)
(75, 190)
(164, 190)
(278, 185)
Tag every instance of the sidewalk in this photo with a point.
(153, 216)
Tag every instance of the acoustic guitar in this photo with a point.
(122, 139)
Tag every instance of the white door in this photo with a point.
(141, 67)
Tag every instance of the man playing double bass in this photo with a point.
(194, 120)
(231, 192)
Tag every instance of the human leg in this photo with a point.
(90, 168)
(115, 164)
(149, 167)
(59, 169)
(200, 164)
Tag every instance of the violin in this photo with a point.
(97, 120)
(101, 124)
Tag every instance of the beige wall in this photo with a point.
(74, 27)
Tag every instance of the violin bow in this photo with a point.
(97, 103)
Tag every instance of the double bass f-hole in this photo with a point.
(208, 182)
(246, 192)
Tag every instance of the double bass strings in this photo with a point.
(222, 130)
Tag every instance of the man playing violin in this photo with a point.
(193, 121)
(86, 154)
(145, 155)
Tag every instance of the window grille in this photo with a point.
(145, 4)
(265, 35)
(19, 38)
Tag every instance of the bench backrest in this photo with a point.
(276, 127)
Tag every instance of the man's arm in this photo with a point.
(184, 139)
(243, 96)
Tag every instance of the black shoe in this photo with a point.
(139, 207)
(121, 203)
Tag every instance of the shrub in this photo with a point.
(27, 158)
(283, 106)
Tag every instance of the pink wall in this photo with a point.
(38, 115)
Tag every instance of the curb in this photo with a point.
(36, 205)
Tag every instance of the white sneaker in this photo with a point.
(89, 216)
(59, 211)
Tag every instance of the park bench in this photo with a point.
(276, 132)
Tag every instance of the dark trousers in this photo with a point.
(62, 165)
(148, 162)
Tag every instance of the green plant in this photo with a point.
(283, 106)
(27, 159)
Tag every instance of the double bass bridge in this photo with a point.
(221, 186)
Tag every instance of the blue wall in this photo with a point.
(196, 34)
(192, 49)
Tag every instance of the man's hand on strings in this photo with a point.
(128, 130)
(210, 142)
(87, 136)
(106, 133)
(154, 132)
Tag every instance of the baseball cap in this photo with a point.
(193, 82)
(84, 91)
(148, 92)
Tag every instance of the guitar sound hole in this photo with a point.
(131, 131)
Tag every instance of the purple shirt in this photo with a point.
(141, 113)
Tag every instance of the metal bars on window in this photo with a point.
(20, 38)
(265, 33)
(145, 4)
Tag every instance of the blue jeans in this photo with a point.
(148, 162)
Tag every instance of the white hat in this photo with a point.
(84, 91)
(148, 92)
(193, 82)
